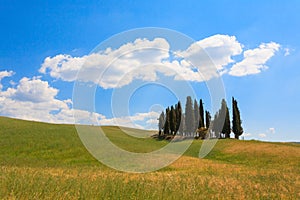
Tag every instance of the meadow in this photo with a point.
(48, 161)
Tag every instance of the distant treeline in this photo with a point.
(197, 122)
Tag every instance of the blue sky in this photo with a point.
(34, 30)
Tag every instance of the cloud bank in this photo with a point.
(145, 59)
(34, 99)
(142, 59)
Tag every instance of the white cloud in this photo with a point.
(220, 48)
(144, 59)
(247, 134)
(272, 130)
(208, 57)
(286, 51)
(34, 99)
(138, 120)
(64, 67)
(34, 90)
(267, 133)
(262, 135)
(254, 60)
(134, 121)
(4, 74)
(107, 68)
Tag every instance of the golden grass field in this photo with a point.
(46, 161)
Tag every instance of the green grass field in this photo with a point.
(46, 161)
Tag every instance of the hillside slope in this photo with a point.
(40, 160)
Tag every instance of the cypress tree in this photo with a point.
(196, 114)
(172, 120)
(226, 126)
(161, 122)
(215, 125)
(201, 113)
(182, 125)
(167, 122)
(189, 117)
(178, 111)
(207, 119)
(236, 120)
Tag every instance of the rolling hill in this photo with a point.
(48, 161)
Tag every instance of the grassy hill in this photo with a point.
(47, 161)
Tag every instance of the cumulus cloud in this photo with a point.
(254, 60)
(61, 66)
(286, 51)
(34, 99)
(143, 59)
(262, 135)
(107, 68)
(4, 74)
(272, 130)
(267, 133)
(138, 120)
(34, 90)
(134, 121)
(247, 134)
(220, 48)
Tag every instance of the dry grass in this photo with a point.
(262, 148)
(187, 178)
